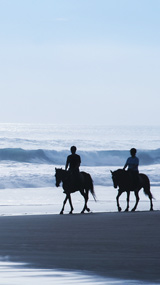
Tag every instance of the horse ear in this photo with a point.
(111, 171)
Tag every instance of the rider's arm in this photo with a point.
(78, 161)
(67, 163)
(126, 164)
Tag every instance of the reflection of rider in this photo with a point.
(132, 163)
(73, 162)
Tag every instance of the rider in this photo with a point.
(73, 162)
(132, 163)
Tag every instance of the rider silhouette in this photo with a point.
(132, 163)
(72, 165)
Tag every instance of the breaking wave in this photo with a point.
(22, 168)
(89, 158)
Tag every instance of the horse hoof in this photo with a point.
(119, 209)
(133, 210)
(88, 210)
(61, 213)
(70, 212)
(126, 210)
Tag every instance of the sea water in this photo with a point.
(30, 153)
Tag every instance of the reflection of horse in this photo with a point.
(123, 179)
(69, 186)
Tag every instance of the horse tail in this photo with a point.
(89, 184)
(146, 185)
(92, 188)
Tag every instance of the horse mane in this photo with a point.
(121, 171)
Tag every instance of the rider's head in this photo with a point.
(73, 149)
(133, 151)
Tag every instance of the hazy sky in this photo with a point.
(80, 61)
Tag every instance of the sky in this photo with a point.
(80, 62)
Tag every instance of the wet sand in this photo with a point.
(118, 245)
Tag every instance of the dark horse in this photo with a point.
(123, 179)
(69, 187)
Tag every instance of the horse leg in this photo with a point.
(151, 204)
(128, 195)
(87, 191)
(148, 192)
(85, 195)
(146, 187)
(64, 203)
(70, 202)
(137, 200)
(117, 199)
(68, 197)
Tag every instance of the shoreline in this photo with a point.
(112, 245)
(46, 201)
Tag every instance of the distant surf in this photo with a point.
(89, 158)
(30, 153)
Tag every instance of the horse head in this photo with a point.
(58, 176)
(118, 176)
(114, 179)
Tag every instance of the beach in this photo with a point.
(103, 243)
(116, 245)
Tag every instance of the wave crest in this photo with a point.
(89, 158)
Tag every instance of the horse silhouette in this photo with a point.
(69, 186)
(123, 179)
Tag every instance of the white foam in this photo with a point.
(12, 273)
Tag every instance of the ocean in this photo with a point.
(30, 153)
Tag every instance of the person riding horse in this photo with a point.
(132, 163)
(72, 165)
